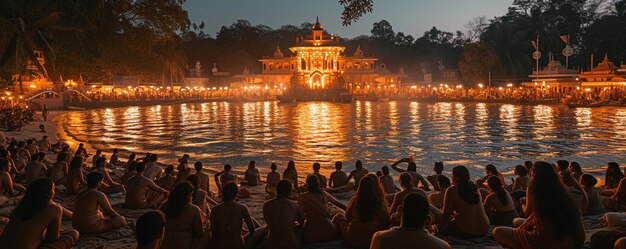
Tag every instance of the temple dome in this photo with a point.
(278, 53)
(317, 25)
(358, 52)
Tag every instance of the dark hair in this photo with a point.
(520, 170)
(528, 165)
(412, 167)
(385, 170)
(198, 166)
(379, 173)
(496, 186)
(291, 165)
(132, 166)
(283, 188)
(415, 209)
(98, 151)
(438, 167)
(369, 199)
(491, 169)
(443, 182)
(148, 227)
(338, 165)
(115, 150)
(406, 180)
(588, 180)
(251, 163)
(227, 167)
(132, 156)
(613, 171)
(77, 162)
(313, 184)
(140, 167)
(4, 164)
(230, 191)
(61, 157)
(273, 167)
(554, 205)
(316, 167)
(193, 179)
(153, 157)
(38, 195)
(93, 178)
(576, 167)
(358, 164)
(562, 165)
(178, 199)
(467, 190)
(169, 169)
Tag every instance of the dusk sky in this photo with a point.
(409, 16)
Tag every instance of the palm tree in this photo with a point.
(174, 59)
(25, 21)
(511, 47)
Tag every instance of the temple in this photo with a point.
(319, 62)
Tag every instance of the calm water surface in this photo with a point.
(472, 134)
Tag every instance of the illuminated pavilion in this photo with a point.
(319, 62)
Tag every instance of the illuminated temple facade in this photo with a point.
(320, 62)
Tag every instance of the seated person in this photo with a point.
(490, 170)
(7, 187)
(153, 171)
(438, 168)
(115, 159)
(281, 214)
(498, 204)
(168, 179)
(338, 182)
(227, 221)
(574, 189)
(406, 182)
(138, 187)
(110, 185)
(130, 172)
(411, 169)
(291, 174)
(386, 181)
(272, 179)
(322, 178)
(595, 204)
(203, 178)
(436, 198)
(89, 207)
(411, 233)
(612, 178)
(252, 177)
(365, 215)
(59, 169)
(318, 225)
(149, 230)
(463, 212)
(183, 219)
(224, 177)
(200, 197)
(575, 170)
(520, 183)
(35, 169)
(356, 174)
(36, 221)
(183, 170)
(617, 201)
(75, 176)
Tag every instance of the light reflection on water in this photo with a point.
(378, 133)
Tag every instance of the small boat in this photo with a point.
(589, 105)
(75, 108)
(346, 97)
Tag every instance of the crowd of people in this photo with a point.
(543, 207)
(12, 119)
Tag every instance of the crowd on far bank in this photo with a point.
(543, 207)
(13, 118)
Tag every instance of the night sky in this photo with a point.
(409, 16)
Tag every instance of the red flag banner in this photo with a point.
(534, 45)
(565, 39)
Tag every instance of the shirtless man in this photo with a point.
(115, 159)
(89, 206)
(81, 151)
(272, 179)
(95, 157)
(138, 185)
(110, 185)
(411, 169)
(227, 222)
(387, 181)
(44, 144)
(338, 177)
(224, 177)
(406, 182)
(203, 177)
(438, 168)
(7, 187)
(168, 180)
(252, 177)
(35, 169)
(411, 233)
(281, 214)
(59, 169)
(322, 178)
(31, 146)
(153, 171)
(75, 176)
(358, 173)
(34, 226)
(149, 230)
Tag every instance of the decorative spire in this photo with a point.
(401, 71)
(317, 25)
(358, 52)
(214, 70)
(278, 53)
(245, 71)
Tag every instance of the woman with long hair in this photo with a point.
(75, 176)
(612, 178)
(200, 197)
(291, 174)
(36, 221)
(553, 220)
(318, 225)
(490, 170)
(184, 220)
(499, 204)
(463, 212)
(227, 222)
(365, 215)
